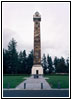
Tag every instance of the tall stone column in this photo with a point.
(37, 68)
(37, 43)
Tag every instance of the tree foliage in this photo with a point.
(50, 64)
(21, 63)
(44, 63)
(60, 65)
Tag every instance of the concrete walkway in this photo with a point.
(34, 84)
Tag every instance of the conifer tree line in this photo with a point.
(21, 63)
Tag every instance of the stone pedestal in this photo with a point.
(37, 69)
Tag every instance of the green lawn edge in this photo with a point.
(13, 81)
(56, 81)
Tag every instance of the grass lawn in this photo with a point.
(12, 80)
(53, 80)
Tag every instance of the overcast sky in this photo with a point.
(18, 23)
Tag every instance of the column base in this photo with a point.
(37, 69)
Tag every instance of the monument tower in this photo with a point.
(37, 68)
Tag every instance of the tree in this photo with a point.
(29, 62)
(44, 63)
(67, 65)
(60, 65)
(13, 56)
(24, 62)
(5, 61)
(20, 62)
(56, 60)
(14, 63)
(22, 59)
(49, 62)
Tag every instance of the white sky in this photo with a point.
(55, 26)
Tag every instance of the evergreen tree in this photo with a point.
(5, 61)
(67, 65)
(49, 61)
(44, 63)
(56, 60)
(13, 56)
(24, 62)
(29, 62)
(20, 62)
(14, 63)
(60, 65)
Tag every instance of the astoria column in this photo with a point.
(37, 68)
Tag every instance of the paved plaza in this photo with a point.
(34, 84)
